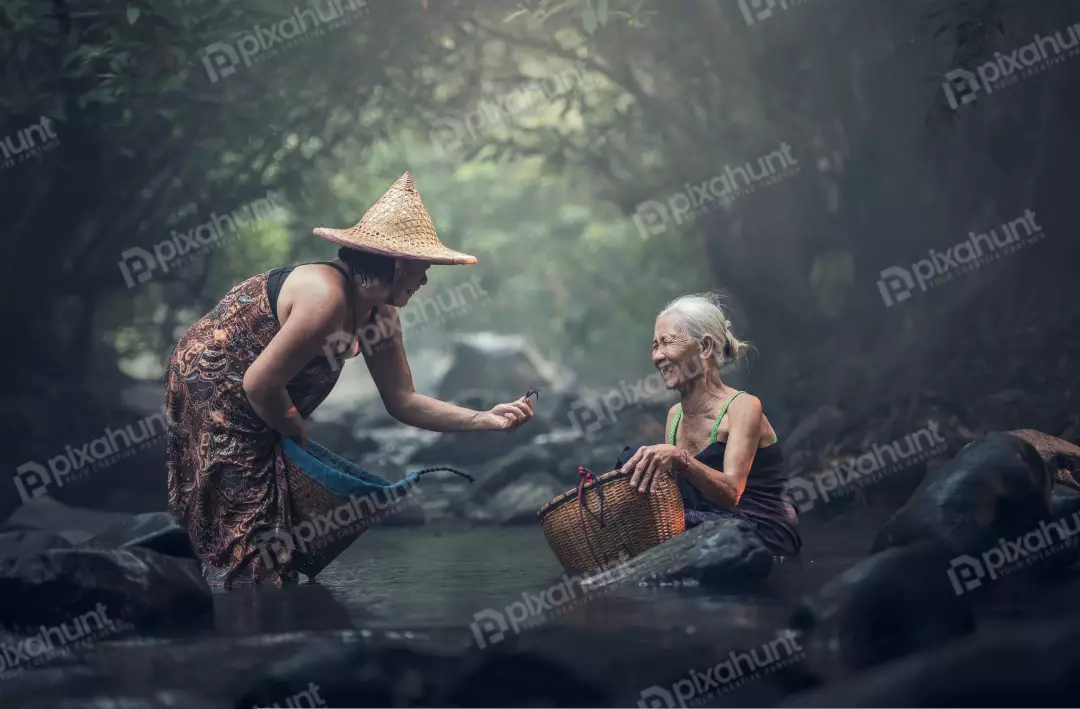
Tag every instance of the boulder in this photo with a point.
(519, 501)
(997, 487)
(395, 675)
(463, 450)
(156, 531)
(75, 524)
(119, 700)
(724, 553)
(1024, 665)
(504, 364)
(515, 465)
(343, 439)
(1060, 456)
(366, 675)
(128, 587)
(1064, 551)
(27, 541)
(887, 606)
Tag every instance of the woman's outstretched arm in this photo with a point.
(390, 370)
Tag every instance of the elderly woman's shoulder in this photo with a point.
(746, 404)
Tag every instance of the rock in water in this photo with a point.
(502, 364)
(397, 675)
(890, 605)
(512, 488)
(996, 487)
(370, 675)
(135, 586)
(28, 541)
(156, 531)
(1024, 666)
(518, 502)
(75, 524)
(716, 553)
(1063, 533)
(1062, 457)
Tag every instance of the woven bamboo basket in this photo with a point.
(371, 499)
(604, 519)
(310, 499)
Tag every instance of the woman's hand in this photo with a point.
(509, 417)
(650, 461)
(297, 428)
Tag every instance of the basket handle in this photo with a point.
(585, 475)
(425, 471)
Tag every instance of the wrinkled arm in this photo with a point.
(724, 488)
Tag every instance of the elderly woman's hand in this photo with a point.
(650, 461)
(509, 417)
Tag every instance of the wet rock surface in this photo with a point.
(722, 553)
(44, 514)
(1021, 665)
(117, 579)
(892, 604)
(996, 487)
(156, 531)
(134, 586)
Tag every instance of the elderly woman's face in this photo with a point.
(676, 356)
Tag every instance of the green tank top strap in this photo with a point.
(723, 413)
(716, 426)
(674, 424)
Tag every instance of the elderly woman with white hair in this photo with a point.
(720, 446)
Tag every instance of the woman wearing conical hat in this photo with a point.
(254, 368)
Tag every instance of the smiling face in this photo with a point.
(411, 275)
(678, 357)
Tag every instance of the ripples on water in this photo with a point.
(402, 578)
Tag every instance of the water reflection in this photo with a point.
(419, 578)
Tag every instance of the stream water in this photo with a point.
(408, 578)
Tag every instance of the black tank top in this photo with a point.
(276, 278)
(764, 502)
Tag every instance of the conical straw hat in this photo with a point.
(398, 226)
